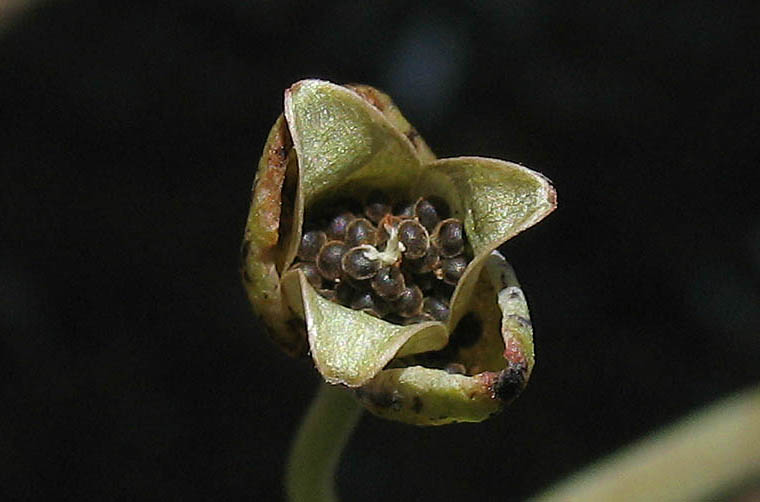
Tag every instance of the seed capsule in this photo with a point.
(388, 282)
(311, 272)
(329, 259)
(376, 207)
(311, 243)
(357, 265)
(436, 307)
(426, 214)
(414, 237)
(336, 230)
(450, 237)
(452, 269)
(360, 231)
(409, 302)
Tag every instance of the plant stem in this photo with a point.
(710, 451)
(319, 443)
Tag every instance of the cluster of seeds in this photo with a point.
(399, 262)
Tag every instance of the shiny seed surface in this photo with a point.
(452, 269)
(388, 282)
(357, 265)
(337, 228)
(311, 243)
(329, 260)
(450, 237)
(409, 302)
(360, 231)
(415, 239)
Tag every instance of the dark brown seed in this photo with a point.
(330, 294)
(376, 207)
(452, 269)
(357, 265)
(426, 264)
(427, 214)
(329, 259)
(360, 231)
(426, 282)
(437, 308)
(414, 237)
(344, 294)
(370, 303)
(311, 273)
(388, 282)
(423, 317)
(336, 229)
(311, 243)
(409, 302)
(404, 209)
(449, 236)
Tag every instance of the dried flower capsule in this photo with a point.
(388, 282)
(329, 260)
(335, 141)
(360, 231)
(358, 265)
(426, 214)
(452, 269)
(414, 237)
(449, 236)
(311, 243)
(376, 207)
(336, 230)
(409, 302)
(436, 307)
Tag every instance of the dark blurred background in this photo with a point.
(131, 365)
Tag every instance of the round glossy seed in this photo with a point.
(426, 282)
(388, 282)
(360, 231)
(370, 303)
(452, 269)
(337, 228)
(414, 237)
(376, 207)
(427, 214)
(311, 272)
(404, 209)
(344, 294)
(409, 302)
(450, 237)
(436, 307)
(311, 243)
(357, 265)
(329, 259)
(426, 264)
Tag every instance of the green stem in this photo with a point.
(712, 450)
(321, 438)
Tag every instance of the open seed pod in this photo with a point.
(335, 143)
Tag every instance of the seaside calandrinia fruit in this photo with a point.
(364, 250)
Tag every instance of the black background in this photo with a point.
(131, 365)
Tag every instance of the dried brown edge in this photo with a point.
(259, 250)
